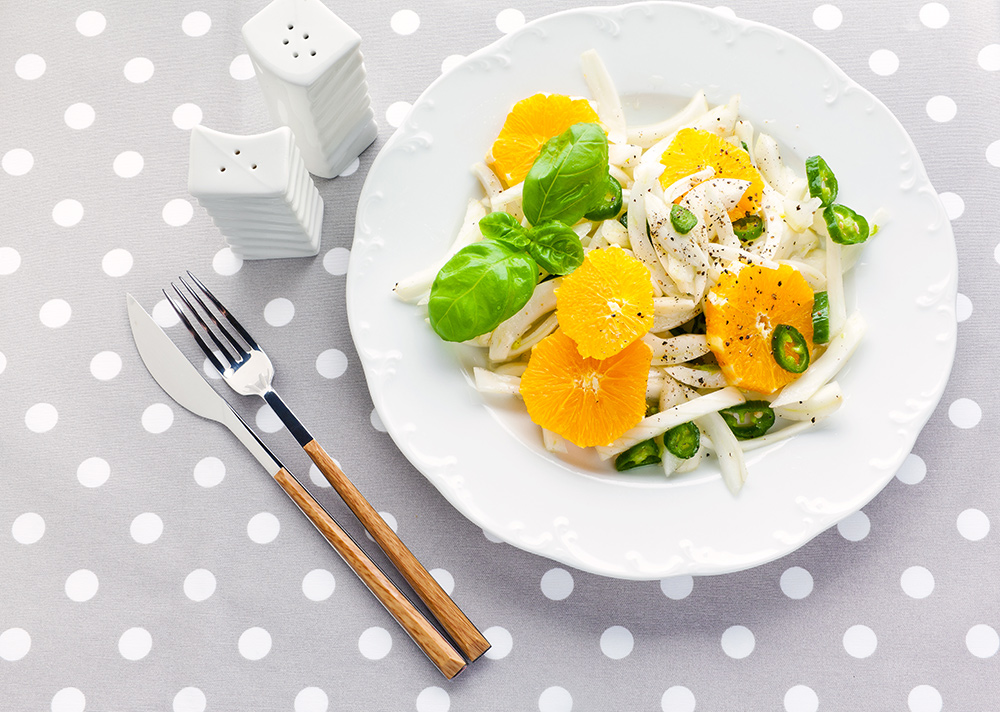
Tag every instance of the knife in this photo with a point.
(182, 382)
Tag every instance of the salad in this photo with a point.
(661, 293)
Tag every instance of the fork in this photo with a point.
(249, 371)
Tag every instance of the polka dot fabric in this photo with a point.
(136, 537)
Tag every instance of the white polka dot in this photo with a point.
(138, 70)
(450, 62)
(135, 644)
(445, 579)
(10, 260)
(263, 528)
(509, 20)
(190, 699)
(164, 314)
(555, 699)
(79, 116)
(81, 585)
(433, 699)
(981, 640)
(965, 413)
(128, 164)
(501, 642)
(17, 162)
(199, 585)
(318, 585)
(738, 642)
(557, 584)
(376, 421)
(241, 68)
(14, 644)
(941, 108)
(934, 15)
(146, 528)
(954, 206)
(375, 643)
(860, 641)
(796, 582)
(55, 313)
(335, 261)
(29, 67)
(157, 418)
(317, 477)
(617, 642)
(913, 470)
(331, 363)
(279, 312)
(917, 582)
(91, 23)
(397, 112)
(883, 62)
(389, 519)
(28, 528)
(208, 368)
(67, 213)
(677, 699)
(196, 24)
(226, 262)
(267, 420)
(209, 471)
(187, 116)
(924, 698)
(973, 524)
(255, 643)
(677, 587)
(801, 699)
(93, 472)
(993, 154)
(41, 417)
(311, 699)
(827, 17)
(963, 307)
(854, 527)
(404, 22)
(351, 168)
(177, 212)
(989, 58)
(117, 262)
(69, 699)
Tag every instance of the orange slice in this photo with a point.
(606, 303)
(741, 313)
(694, 149)
(531, 123)
(587, 401)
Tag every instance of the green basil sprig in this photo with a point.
(504, 227)
(555, 246)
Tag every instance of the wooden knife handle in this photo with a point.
(467, 637)
(424, 634)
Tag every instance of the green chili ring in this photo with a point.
(645, 453)
(682, 219)
(822, 181)
(748, 228)
(845, 226)
(749, 420)
(789, 348)
(821, 318)
(683, 440)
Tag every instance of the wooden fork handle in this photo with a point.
(467, 637)
(423, 633)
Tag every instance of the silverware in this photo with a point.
(249, 371)
(182, 382)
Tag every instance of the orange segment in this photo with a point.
(606, 303)
(587, 401)
(741, 313)
(694, 149)
(531, 123)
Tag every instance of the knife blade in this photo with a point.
(182, 382)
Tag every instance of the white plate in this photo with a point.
(484, 455)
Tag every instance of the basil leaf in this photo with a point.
(482, 285)
(568, 179)
(504, 227)
(555, 247)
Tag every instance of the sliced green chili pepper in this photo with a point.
(822, 182)
(612, 202)
(645, 453)
(845, 226)
(749, 420)
(749, 228)
(623, 219)
(745, 147)
(789, 348)
(682, 219)
(821, 318)
(683, 440)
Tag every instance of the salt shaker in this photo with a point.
(309, 66)
(257, 191)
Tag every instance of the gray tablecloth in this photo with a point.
(146, 563)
